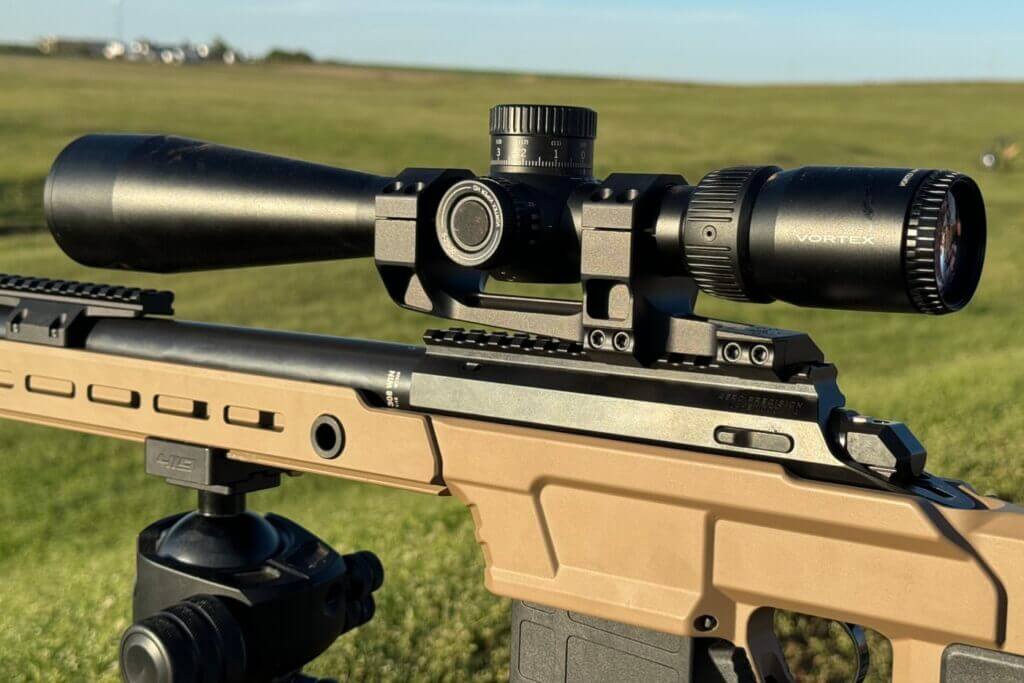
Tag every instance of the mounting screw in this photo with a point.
(709, 233)
(621, 341)
(705, 623)
(759, 354)
(327, 436)
(732, 352)
(597, 338)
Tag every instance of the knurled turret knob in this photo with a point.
(543, 119)
(545, 139)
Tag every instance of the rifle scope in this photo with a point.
(880, 239)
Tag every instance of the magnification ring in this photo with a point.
(717, 225)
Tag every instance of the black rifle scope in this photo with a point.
(830, 236)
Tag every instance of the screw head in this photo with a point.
(705, 623)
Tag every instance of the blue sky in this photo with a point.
(722, 41)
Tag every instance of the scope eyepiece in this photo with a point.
(876, 239)
(943, 257)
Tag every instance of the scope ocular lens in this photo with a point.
(947, 245)
(945, 242)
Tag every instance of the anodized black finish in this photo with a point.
(166, 204)
(834, 237)
(716, 236)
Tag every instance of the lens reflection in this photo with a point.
(947, 247)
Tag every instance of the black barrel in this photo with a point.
(166, 204)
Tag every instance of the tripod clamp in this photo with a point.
(226, 595)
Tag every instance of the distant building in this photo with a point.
(139, 50)
(71, 47)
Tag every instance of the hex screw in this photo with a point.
(705, 623)
(759, 354)
(732, 352)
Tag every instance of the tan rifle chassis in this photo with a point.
(646, 535)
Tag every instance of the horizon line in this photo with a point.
(485, 71)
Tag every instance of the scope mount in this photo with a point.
(624, 315)
(441, 233)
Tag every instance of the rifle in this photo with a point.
(648, 485)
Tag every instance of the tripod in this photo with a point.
(225, 595)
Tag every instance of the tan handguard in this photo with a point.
(657, 537)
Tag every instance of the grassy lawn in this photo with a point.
(70, 505)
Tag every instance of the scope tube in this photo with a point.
(169, 204)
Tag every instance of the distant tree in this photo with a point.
(219, 46)
(219, 49)
(289, 56)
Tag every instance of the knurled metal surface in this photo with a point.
(543, 119)
(919, 248)
(715, 204)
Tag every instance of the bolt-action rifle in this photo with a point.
(647, 484)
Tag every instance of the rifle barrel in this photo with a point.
(373, 367)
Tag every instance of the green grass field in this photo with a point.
(70, 505)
